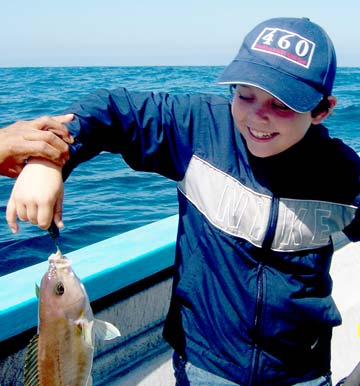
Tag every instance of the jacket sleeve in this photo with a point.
(153, 132)
(352, 231)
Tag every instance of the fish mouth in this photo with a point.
(58, 261)
(260, 135)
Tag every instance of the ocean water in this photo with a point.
(103, 197)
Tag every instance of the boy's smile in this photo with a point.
(268, 126)
(261, 135)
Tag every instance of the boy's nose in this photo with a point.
(259, 112)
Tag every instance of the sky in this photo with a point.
(156, 32)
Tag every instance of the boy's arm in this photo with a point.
(152, 131)
(37, 195)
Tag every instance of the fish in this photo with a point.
(62, 351)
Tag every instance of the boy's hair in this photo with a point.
(323, 106)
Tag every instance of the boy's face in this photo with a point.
(268, 126)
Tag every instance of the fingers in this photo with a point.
(54, 138)
(11, 215)
(43, 137)
(56, 125)
(41, 216)
(29, 212)
(37, 195)
(47, 145)
(64, 118)
(46, 213)
(58, 213)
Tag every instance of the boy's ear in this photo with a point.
(324, 114)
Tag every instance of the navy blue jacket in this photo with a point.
(252, 292)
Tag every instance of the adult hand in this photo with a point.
(37, 195)
(45, 137)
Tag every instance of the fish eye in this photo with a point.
(59, 289)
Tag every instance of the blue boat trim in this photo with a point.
(103, 267)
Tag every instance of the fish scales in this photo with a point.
(71, 359)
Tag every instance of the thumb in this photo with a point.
(66, 118)
(58, 212)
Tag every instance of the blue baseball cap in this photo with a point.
(291, 58)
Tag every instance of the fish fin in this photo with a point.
(87, 333)
(37, 291)
(105, 330)
(31, 372)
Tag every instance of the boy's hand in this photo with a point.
(37, 195)
(45, 137)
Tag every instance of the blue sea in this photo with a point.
(103, 197)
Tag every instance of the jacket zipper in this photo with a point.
(269, 237)
(271, 227)
(259, 300)
(257, 329)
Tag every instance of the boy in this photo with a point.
(261, 189)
